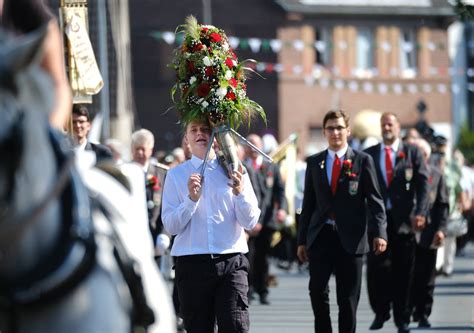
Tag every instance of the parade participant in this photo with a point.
(22, 16)
(432, 236)
(271, 191)
(341, 189)
(143, 142)
(403, 179)
(208, 216)
(81, 125)
(209, 202)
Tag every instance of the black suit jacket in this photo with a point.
(102, 152)
(271, 192)
(354, 196)
(408, 191)
(437, 219)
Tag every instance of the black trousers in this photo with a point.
(213, 291)
(390, 276)
(421, 299)
(261, 249)
(325, 257)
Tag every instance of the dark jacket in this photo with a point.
(408, 191)
(355, 195)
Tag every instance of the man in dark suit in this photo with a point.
(270, 190)
(143, 142)
(340, 188)
(403, 179)
(432, 236)
(81, 125)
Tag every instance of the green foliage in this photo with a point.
(466, 144)
(465, 12)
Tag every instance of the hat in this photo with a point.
(210, 80)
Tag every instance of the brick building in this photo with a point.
(385, 56)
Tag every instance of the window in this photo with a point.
(323, 49)
(364, 52)
(407, 53)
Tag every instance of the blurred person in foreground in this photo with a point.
(403, 179)
(341, 189)
(209, 216)
(23, 16)
(428, 241)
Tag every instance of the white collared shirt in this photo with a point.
(216, 222)
(330, 160)
(393, 149)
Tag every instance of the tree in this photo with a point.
(466, 144)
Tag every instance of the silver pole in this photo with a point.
(206, 12)
(104, 65)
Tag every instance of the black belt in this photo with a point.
(208, 256)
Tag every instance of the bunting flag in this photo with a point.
(275, 45)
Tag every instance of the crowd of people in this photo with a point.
(401, 207)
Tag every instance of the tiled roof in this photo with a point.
(369, 7)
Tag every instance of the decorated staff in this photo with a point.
(211, 87)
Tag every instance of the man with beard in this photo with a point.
(403, 179)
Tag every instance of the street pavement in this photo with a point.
(290, 308)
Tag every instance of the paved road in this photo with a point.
(290, 309)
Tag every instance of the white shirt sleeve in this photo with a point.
(246, 205)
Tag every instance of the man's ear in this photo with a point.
(348, 130)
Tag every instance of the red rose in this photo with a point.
(191, 67)
(229, 63)
(230, 95)
(198, 47)
(204, 30)
(347, 164)
(203, 89)
(244, 86)
(209, 71)
(401, 155)
(153, 182)
(232, 53)
(353, 175)
(233, 82)
(215, 37)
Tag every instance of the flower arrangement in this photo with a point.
(210, 78)
(153, 182)
(347, 169)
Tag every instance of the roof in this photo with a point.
(369, 7)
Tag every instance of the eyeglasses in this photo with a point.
(333, 129)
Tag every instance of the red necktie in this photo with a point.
(388, 165)
(254, 165)
(336, 171)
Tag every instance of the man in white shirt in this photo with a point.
(208, 215)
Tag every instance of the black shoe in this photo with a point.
(403, 328)
(264, 300)
(416, 318)
(424, 323)
(379, 321)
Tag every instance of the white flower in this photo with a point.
(241, 94)
(192, 79)
(207, 61)
(221, 92)
(204, 104)
(225, 46)
(228, 75)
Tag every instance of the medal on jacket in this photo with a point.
(408, 177)
(353, 186)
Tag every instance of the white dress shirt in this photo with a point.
(216, 222)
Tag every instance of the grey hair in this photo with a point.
(143, 136)
(424, 147)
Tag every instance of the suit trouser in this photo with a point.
(325, 257)
(261, 250)
(213, 290)
(390, 276)
(424, 282)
